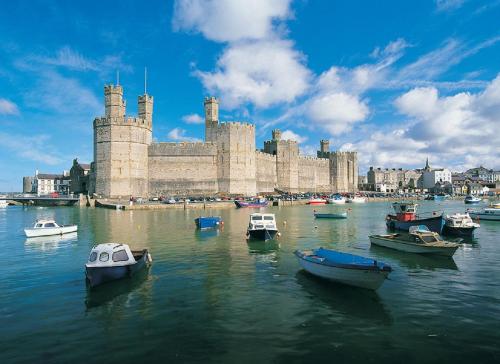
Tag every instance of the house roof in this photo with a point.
(49, 176)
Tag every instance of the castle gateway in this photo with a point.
(127, 162)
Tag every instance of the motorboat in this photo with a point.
(471, 199)
(112, 261)
(337, 200)
(342, 215)
(349, 269)
(259, 202)
(262, 227)
(406, 217)
(49, 227)
(488, 213)
(459, 225)
(3, 204)
(316, 201)
(420, 240)
(208, 222)
(356, 199)
(438, 197)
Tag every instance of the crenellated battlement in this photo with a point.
(183, 149)
(231, 125)
(128, 120)
(263, 155)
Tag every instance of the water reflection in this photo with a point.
(107, 292)
(206, 234)
(47, 243)
(342, 299)
(416, 261)
(262, 247)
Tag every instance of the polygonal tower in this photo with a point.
(121, 147)
(211, 118)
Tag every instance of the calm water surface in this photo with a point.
(211, 297)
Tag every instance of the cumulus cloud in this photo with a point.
(290, 135)
(193, 119)
(230, 20)
(178, 134)
(448, 5)
(263, 73)
(8, 107)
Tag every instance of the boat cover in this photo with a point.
(336, 258)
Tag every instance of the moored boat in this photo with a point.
(342, 215)
(208, 222)
(420, 240)
(356, 199)
(471, 199)
(488, 213)
(112, 261)
(262, 227)
(406, 217)
(316, 201)
(349, 269)
(336, 200)
(49, 227)
(459, 225)
(3, 203)
(260, 202)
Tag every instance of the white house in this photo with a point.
(433, 176)
(44, 183)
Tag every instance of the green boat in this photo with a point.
(342, 215)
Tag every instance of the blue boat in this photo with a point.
(261, 202)
(208, 222)
(342, 215)
(344, 268)
(406, 217)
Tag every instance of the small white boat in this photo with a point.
(349, 269)
(337, 200)
(459, 225)
(356, 199)
(420, 240)
(489, 213)
(262, 227)
(471, 199)
(49, 227)
(112, 261)
(3, 204)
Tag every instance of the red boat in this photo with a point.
(316, 201)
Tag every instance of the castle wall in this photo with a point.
(236, 158)
(121, 156)
(344, 171)
(182, 169)
(313, 174)
(266, 177)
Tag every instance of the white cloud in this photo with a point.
(193, 119)
(448, 5)
(290, 135)
(8, 107)
(34, 148)
(230, 20)
(337, 112)
(69, 58)
(264, 73)
(178, 134)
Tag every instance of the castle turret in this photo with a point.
(211, 118)
(324, 146)
(113, 101)
(276, 134)
(145, 108)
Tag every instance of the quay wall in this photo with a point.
(181, 169)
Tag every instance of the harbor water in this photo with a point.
(211, 297)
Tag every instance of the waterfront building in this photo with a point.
(79, 177)
(393, 179)
(128, 163)
(483, 174)
(433, 176)
(46, 183)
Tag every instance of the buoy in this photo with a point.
(316, 227)
(284, 222)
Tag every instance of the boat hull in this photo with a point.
(208, 222)
(331, 216)
(60, 230)
(433, 224)
(241, 204)
(262, 234)
(412, 248)
(467, 232)
(483, 216)
(336, 202)
(99, 275)
(369, 279)
(470, 202)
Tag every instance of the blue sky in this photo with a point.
(398, 81)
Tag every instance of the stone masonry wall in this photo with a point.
(314, 175)
(181, 169)
(265, 172)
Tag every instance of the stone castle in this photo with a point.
(128, 163)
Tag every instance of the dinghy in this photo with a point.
(208, 222)
(49, 227)
(344, 268)
(342, 215)
(336, 200)
(112, 261)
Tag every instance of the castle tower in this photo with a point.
(211, 118)
(121, 147)
(344, 171)
(324, 146)
(145, 108)
(113, 101)
(276, 134)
